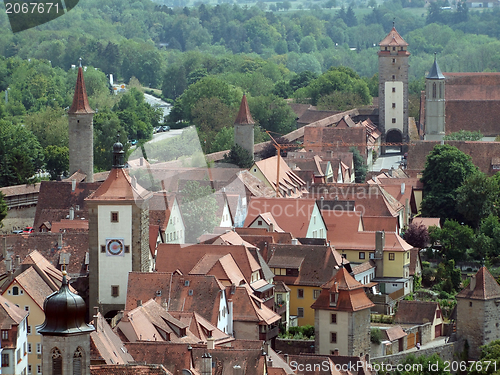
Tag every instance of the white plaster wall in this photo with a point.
(319, 226)
(325, 327)
(113, 270)
(175, 226)
(394, 97)
(226, 217)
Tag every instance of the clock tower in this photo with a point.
(118, 236)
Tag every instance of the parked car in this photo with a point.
(133, 142)
(17, 231)
(28, 230)
(165, 128)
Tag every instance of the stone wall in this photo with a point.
(359, 337)
(294, 347)
(446, 352)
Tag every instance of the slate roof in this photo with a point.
(317, 264)
(351, 294)
(486, 287)
(80, 103)
(105, 346)
(415, 312)
(175, 290)
(435, 72)
(292, 215)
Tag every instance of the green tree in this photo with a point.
(455, 239)
(199, 207)
(50, 126)
(272, 113)
(56, 161)
(106, 127)
(445, 171)
(488, 362)
(360, 167)
(3, 209)
(464, 135)
(239, 156)
(477, 198)
(223, 140)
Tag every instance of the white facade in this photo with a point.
(317, 227)
(175, 231)
(114, 269)
(394, 106)
(226, 221)
(225, 317)
(366, 276)
(18, 356)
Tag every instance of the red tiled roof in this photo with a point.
(66, 224)
(129, 369)
(106, 346)
(393, 39)
(366, 241)
(318, 138)
(118, 187)
(416, 312)
(244, 116)
(351, 294)
(486, 287)
(10, 314)
(248, 308)
(385, 223)
(395, 333)
(80, 100)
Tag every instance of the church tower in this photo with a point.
(434, 104)
(81, 131)
(65, 335)
(243, 127)
(393, 88)
(118, 236)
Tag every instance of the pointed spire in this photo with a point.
(435, 72)
(80, 100)
(244, 117)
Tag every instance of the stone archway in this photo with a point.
(394, 136)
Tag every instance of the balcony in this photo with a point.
(280, 308)
(272, 333)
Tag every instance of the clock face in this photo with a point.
(114, 247)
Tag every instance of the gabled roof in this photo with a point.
(288, 180)
(105, 345)
(249, 308)
(486, 286)
(10, 314)
(80, 103)
(393, 39)
(366, 241)
(244, 117)
(416, 312)
(384, 223)
(292, 215)
(129, 369)
(160, 206)
(231, 238)
(201, 328)
(395, 333)
(119, 187)
(268, 218)
(351, 294)
(221, 266)
(316, 264)
(200, 293)
(255, 186)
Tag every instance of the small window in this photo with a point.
(259, 222)
(29, 348)
(408, 255)
(5, 334)
(15, 291)
(190, 292)
(470, 304)
(114, 217)
(334, 297)
(393, 48)
(103, 249)
(393, 105)
(29, 369)
(393, 120)
(316, 293)
(27, 308)
(39, 348)
(300, 312)
(372, 255)
(127, 248)
(186, 282)
(333, 337)
(5, 360)
(300, 293)
(38, 369)
(333, 319)
(29, 330)
(361, 255)
(393, 89)
(392, 256)
(393, 61)
(393, 76)
(115, 290)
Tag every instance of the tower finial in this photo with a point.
(80, 62)
(394, 22)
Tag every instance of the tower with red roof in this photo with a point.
(244, 127)
(393, 88)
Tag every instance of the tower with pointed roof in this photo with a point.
(65, 335)
(478, 312)
(434, 103)
(342, 317)
(118, 236)
(393, 88)
(244, 127)
(81, 131)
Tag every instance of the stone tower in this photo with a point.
(342, 317)
(434, 104)
(243, 127)
(393, 88)
(478, 312)
(65, 335)
(118, 236)
(81, 131)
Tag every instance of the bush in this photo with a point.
(376, 336)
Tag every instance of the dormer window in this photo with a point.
(334, 297)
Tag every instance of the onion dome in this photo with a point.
(118, 154)
(64, 313)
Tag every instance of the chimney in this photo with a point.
(230, 316)
(73, 184)
(4, 247)
(71, 213)
(237, 370)
(206, 364)
(287, 360)
(139, 302)
(403, 188)
(271, 227)
(295, 241)
(270, 362)
(472, 284)
(8, 265)
(60, 241)
(18, 262)
(266, 347)
(210, 343)
(379, 253)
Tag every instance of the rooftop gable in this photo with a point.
(416, 312)
(485, 288)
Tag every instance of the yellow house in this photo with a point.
(303, 269)
(36, 280)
